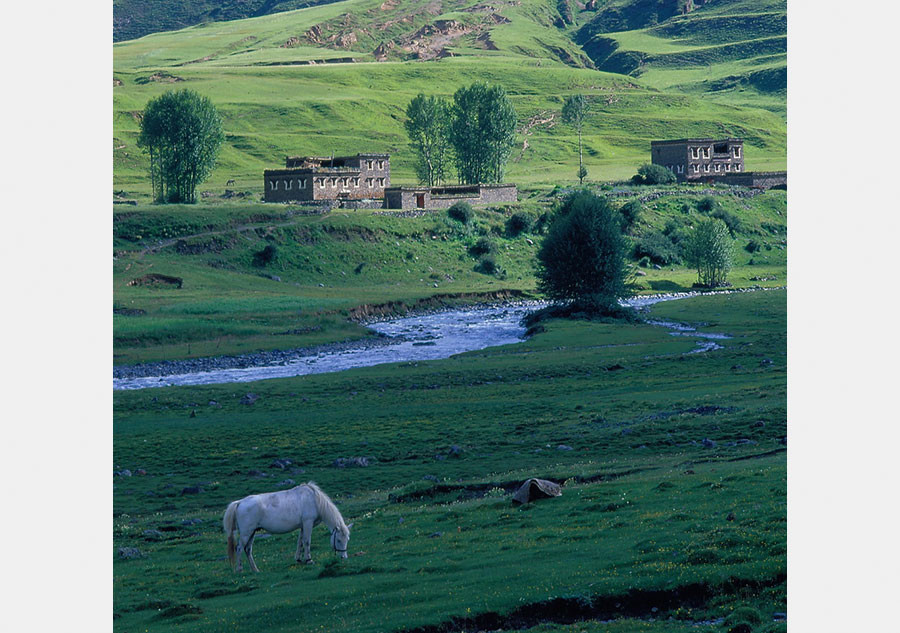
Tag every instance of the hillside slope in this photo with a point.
(337, 78)
(136, 18)
(733, 51)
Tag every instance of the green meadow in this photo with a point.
(650, 512)
(672, 462)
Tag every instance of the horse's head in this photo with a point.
(340, 539)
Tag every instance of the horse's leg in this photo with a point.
(299, 545)
(241, 549)
(249, 551)
(307, 535)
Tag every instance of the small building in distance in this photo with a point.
(444, 197)
(336, 178)
(711, 161)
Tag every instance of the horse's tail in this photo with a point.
(230, 524)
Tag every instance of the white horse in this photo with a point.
(302, 506)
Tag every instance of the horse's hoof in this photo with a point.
(309, 562)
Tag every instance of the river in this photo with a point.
(412, 338)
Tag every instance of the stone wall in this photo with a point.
(446, 197)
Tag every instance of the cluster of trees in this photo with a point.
(474, 133)
(182, 132)
(582, 259)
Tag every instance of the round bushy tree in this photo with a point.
(182, 132)
(654, 175)
(582, 256)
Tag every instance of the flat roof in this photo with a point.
(494, 185)
(698, 140)
(328, 158)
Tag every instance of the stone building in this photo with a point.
(425, 197)
(710, 161)
(694, 158)
(337, 178)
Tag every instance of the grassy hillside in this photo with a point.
(230, 302)
(276, 102)
(136, 18)
(731, 51)
(672, 510)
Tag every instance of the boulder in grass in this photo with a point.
(536, 489)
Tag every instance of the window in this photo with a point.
(727, 167)
(696, 169)
(303, 183)
(287, 184)
(332, 182)
(369, 182)
(356, 182)
(718, 167)
(381, 182)
(381, 164)
(681, 169)
(368, 164)
(737, 152)
(695, 152)
(706, 168)
(720, 148)
(321, 182)
(706, 153)
(273, 185)
(737, 168)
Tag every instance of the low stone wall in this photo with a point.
(755, 179)
(445, 197)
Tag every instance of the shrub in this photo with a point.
(644, 262)
(483, 246)
(462, 212)
(648, 174)
(518, 223)
(657, 247)
(540, 225)
(265, 256)
(707, 204)
(487, 265)
(753, 246)
(631, 212)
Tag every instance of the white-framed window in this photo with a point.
(381, 164)
(737, 152)
(681, 169)
(718, 167)
(737, 168)
(696, 169)
(381, 182)
(332, 182)
(273, 185)
(706, 168)
(356, 182)
(369, 182)
(321, 182)
(368, 164)
(727, 167)
(705, 152)
(302, 184)
(695, 152)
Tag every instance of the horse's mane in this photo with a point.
(327, 510)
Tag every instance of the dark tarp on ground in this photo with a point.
(536, 489)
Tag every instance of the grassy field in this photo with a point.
(673, 463)
(327, 265)
(673, 467)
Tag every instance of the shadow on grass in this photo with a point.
(667, 286)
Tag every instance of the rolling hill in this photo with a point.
(337, 77)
